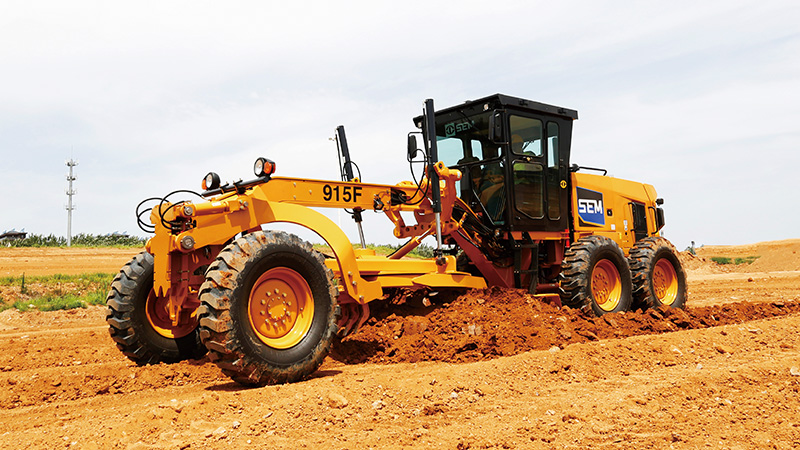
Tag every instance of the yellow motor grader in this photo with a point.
(496, 191)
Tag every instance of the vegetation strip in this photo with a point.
(727, 260)
(80, 240)
(54, 292)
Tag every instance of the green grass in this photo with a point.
(84, 290)
(745, 260)
(51, 302)
(727, 260)
(79, 240)
(83, 280)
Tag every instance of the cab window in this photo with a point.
(451, 150)
(528, 183)
(526, 136)
(491, 190)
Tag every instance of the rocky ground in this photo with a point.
(483, 369)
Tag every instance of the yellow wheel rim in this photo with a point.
(157, 311)
(665, 282)
(606, 285)
(281, 307)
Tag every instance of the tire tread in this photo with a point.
(217, 328)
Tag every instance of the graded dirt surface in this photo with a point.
(64, 260)
(477, 370)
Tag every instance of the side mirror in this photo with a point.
(412, 147)
(496, 128)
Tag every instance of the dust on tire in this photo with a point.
(579, 263)
(128, 323)
(225, 326)
(649, 292)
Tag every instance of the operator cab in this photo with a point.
(514, 157)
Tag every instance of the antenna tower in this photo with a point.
(70, 206)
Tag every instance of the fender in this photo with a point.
(255, 210)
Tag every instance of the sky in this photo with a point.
(699, 99)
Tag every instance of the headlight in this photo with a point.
(211, 181)
(264, 167)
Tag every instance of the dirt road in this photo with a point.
(489, 369)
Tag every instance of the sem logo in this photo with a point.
(590, 207)
(451, 129)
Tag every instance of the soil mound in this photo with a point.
(485, 324)
(699, 265)
(772, 255)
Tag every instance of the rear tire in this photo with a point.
(596, 276)
(136, 324)
(268, 312)
(658, 276)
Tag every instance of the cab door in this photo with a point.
(539, 189)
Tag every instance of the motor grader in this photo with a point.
(496, 191)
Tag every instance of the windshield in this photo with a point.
(463, 139)
(463, 142)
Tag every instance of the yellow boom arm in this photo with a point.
(208, 226)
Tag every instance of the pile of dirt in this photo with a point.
(490, 323)
(699, 265)
(773, 256)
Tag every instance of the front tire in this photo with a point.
(268, 312)
(596, 276)
(658, 276)
(138, 321)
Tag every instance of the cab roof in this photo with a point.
(502, 101)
